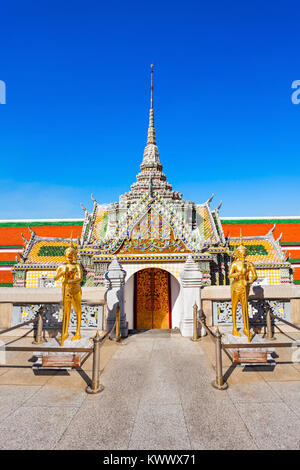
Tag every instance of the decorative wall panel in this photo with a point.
(92, 316)
(222, 311)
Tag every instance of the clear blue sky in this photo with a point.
(75, 122)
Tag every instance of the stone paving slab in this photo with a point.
(160, 384)
(19, 358)
(213, 422)
(280, 372)
(34, 427)
(104, 421)
(107, 353)
(260, 392)
(237, 374)
(12, 397)
(272, 426)
(53, 395)
(289, 392)
(132, 350)
(25, 376)
(160, 427)
(127, 378)
(70, 379)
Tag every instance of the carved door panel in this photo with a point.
(152, 299)
(144, 299)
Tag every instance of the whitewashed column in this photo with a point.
(191, 279)
(115, 281)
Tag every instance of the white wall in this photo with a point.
(129, 302)
(176, 302)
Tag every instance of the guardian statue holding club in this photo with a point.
(71, 274)
(243, 274)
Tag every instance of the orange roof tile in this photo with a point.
(6, 277)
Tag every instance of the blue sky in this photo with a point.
(75, 121)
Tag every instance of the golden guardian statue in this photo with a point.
(243, 274)
(71, 272)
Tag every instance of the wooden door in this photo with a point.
(152, 305)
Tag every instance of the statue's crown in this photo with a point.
(71, 250)
(241, 248)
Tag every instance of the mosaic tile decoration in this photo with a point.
(100, 224)
(36, 253)
(272, 275)
(32, 278)
(267, 247)
(204, 223)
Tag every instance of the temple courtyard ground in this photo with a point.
(157, 395)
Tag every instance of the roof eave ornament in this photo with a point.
(219, 206)
(270, 232)
(24, 239)
(210, 199)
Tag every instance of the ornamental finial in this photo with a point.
(151, 106)
(151, 131)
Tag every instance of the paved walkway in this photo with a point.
(157, 396)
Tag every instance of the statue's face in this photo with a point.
(69, 254)
(241, 253)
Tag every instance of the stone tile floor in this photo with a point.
(157, 396)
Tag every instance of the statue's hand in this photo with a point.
(73, 281)
(235, 276)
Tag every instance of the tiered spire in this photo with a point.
(151, 168)
(151, 155)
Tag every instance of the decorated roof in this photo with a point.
(43, 252)
(12, 244)
(263, 251)
(208, 223)
(288, 227)
(48, 252)
(151, 225)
